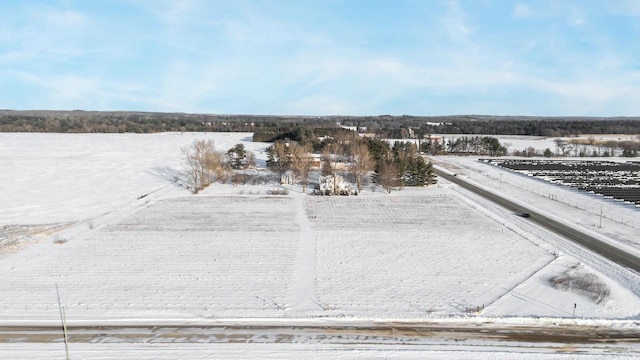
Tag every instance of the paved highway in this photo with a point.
(606, 250)
(396, 333)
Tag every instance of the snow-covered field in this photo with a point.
(103, 217)
(418, 251)
(540, 143)
(52, 178)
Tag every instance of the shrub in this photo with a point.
(581, 282)
(279, 192)
(59, 241)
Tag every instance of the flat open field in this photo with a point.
(129, 242)
(257, 255)
(423, 252)
(105, 218)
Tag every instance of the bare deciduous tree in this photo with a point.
(388, 175)
(561, 147)
(330, 155)
(204, 164)
(279, 156)
(301, 161)
(361, 163)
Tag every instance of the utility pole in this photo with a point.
(64, 324)
(600, 215)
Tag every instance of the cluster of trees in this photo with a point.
(586, 147)
(477, 145)
(353, 158)
(593, 147)
(205, 164)
(307, 134)
(481, 145)
(286, 155)
(400, 165)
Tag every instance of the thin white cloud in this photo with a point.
(172, 21)
(456, 21)
(168, 11)
(624, 7)
(590, 98)
(251, 27)
(574, 15)
(324, 104)
(369, 81)
(177, 12)
(48, 36)
(20, 56)
(577, 17)
(522, 11)
(65, 91)
(70, 91)
(64, 20)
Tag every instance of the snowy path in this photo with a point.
(304, 296)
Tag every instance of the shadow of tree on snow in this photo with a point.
(171, 175)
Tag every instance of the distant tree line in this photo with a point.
(115, 124)
(401, 128)
(274, 127)
(396, 127)
(548, 128)
(146, 122)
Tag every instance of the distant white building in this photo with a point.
(326, 184)
(287, 178)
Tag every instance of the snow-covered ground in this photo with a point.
(52, 178)
(539, 143)
(156, 351)
(102, 217)
(612, 219)
(284, 351)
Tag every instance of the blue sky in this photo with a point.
(323, 57)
